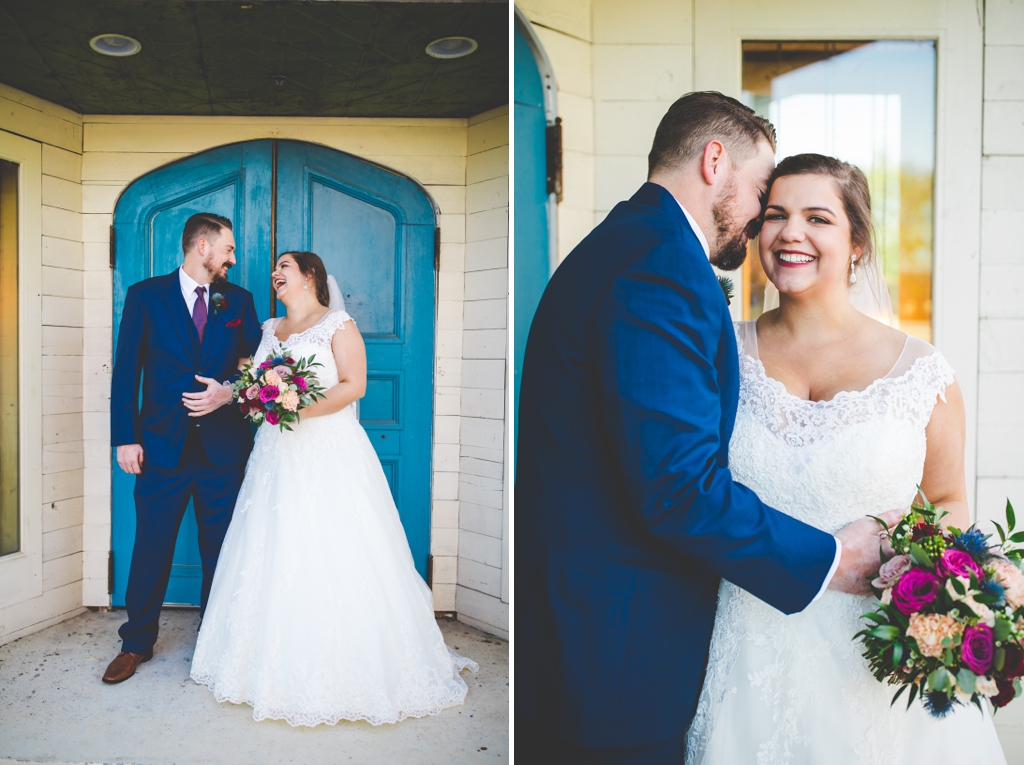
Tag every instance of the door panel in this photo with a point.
(531, 198)
(233, 181)
(374, 231)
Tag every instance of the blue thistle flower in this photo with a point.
(992, 587)
(972, 542)
(938, 703)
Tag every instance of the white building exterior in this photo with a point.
(73, 168)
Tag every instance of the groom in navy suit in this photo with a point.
(627, 516)
(181, 334)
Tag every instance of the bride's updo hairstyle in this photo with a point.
(851, 187)
(310, 265)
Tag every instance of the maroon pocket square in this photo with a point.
(235, 323)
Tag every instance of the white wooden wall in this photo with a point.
(479, 599)
(1001, 332)
(59, 134)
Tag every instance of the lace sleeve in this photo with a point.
(927, 380)
(323, 332)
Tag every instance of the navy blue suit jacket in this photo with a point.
(626, 512)
(158, 343)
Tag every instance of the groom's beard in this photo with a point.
(730, 248)
(217, 275)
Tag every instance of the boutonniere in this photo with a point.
(235, 323)
(219, 303)
(727, 289)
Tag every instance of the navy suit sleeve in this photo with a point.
(124, 384)
(661, 337)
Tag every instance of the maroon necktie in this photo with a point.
(199, 312)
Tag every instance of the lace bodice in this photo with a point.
(314, 340)
(798, 683)
(831, 462)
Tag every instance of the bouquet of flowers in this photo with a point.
(277, 389)
(949, 625)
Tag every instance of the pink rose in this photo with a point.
(1010, 577)
(891, 571)
(914, 590)
(300, 382)
(282, 371)
(273, 417)
(957, 563)
(252, 392)
(269, 393)
(978, 648)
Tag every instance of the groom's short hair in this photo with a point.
(202, 226)
(697, 118)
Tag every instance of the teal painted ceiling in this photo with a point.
(272, 58)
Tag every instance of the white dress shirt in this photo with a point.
(188, 291)
(707, 252)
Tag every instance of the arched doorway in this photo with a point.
(534, 205)
(375, 231)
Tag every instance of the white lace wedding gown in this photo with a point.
(795, 689)
(317, 613)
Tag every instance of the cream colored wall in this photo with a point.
(54, 346)
(564, 30)
(1001, 331)
(482, 565)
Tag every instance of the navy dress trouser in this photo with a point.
(161, 498)
(537, 745)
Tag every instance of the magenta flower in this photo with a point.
(300, 382)
(273, 417)
(978, 648)
(268, 394)
(267, 364)
(957, 563)
(915, 590)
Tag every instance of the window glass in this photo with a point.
(10, 537)
(871, 104)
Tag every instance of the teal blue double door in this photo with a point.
(375, 231)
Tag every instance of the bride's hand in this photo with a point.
(860, 562)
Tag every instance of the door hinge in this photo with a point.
(437, 248)
(553, 146)
(110, 573)
(430, 571)
(113, 248)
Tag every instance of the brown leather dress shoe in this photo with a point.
(124, 665)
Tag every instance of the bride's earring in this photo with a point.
(307, 284)
(853, 270)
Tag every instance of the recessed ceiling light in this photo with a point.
(115, 45)
(451, 47)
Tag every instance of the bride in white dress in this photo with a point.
(839, 416)
(317, 613)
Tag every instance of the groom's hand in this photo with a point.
(130, 457)
(860, 561)
(214, 397)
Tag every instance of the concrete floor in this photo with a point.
(54, 709)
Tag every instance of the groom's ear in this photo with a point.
(714, 160)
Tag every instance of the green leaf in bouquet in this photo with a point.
(885, 632)
(958, 586)
(1017, 538)
(1002, 629)
(999, 659)
(977, 702)
(940, 680)
(987, 599)
(880, 522)
(913, 694)
(898, 694)
(954, 531)
(1016, 688)
(897, 654)
(1011, 519)
(947, 658)
(1002, 534)
(920, 556)
(965, 679)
